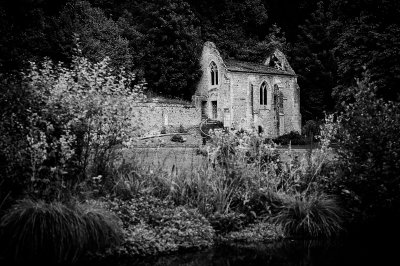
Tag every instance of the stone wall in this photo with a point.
(207, 92)
(238, 97)
(152, 117)
(246, 109)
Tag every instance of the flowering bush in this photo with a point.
(84, 112)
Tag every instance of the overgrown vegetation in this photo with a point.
(242, 183)
(66, 125)
(79, 115)
(153, 226)
(369, 150)
(35, 231)
(310, 215)
(75, 146)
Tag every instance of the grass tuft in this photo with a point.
(52, 232)
(312, 216)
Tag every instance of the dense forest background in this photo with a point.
(330, 43)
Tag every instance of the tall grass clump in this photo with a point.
(53, 232)
(316, 215)
(102, 227)
(243, 180)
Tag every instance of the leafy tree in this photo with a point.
(315, 63)
(256, 51)
(236, 38)
(373, 46)
(370, 154)
(99, 36)
(172, 49)
(23, 26)
(289, 14)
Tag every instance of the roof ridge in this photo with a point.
(252, 67)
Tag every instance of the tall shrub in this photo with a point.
(83, 113)
(17, 102)
(370, 153)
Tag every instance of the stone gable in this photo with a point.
(263, 97)
(247, 95)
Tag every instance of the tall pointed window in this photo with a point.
(214, 73)
(263, 94)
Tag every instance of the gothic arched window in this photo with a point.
(263, 94)
(214, 73)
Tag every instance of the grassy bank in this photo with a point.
(241, 192)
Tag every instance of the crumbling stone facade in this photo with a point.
(264, 97)
(152, 117)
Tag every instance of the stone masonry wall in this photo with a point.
(206, 91)
(152, 117)
(238, 97)
(247, 111)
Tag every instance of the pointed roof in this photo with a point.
(249, 67)
(275, 63)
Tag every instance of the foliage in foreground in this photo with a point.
(243, 180)
(153, 226)
(312, 216)
(369, 154)
(53, 232)
(67, 127)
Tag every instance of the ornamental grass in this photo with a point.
(53, 232)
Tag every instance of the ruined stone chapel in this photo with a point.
(264, 97)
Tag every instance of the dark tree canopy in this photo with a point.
(330, 43)
(314, 62)
(172, 49)
(97, 35)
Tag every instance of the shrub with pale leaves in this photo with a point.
(87, 112)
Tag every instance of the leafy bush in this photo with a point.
(17, 101)
(152, 226)
(316, 215)
(69, 123)
(88, 105)
(163, 130)
(229, 222)
(177, 138)
(52, 232)
(369, 155)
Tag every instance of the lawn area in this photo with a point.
(186, 158)
(167, 158)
